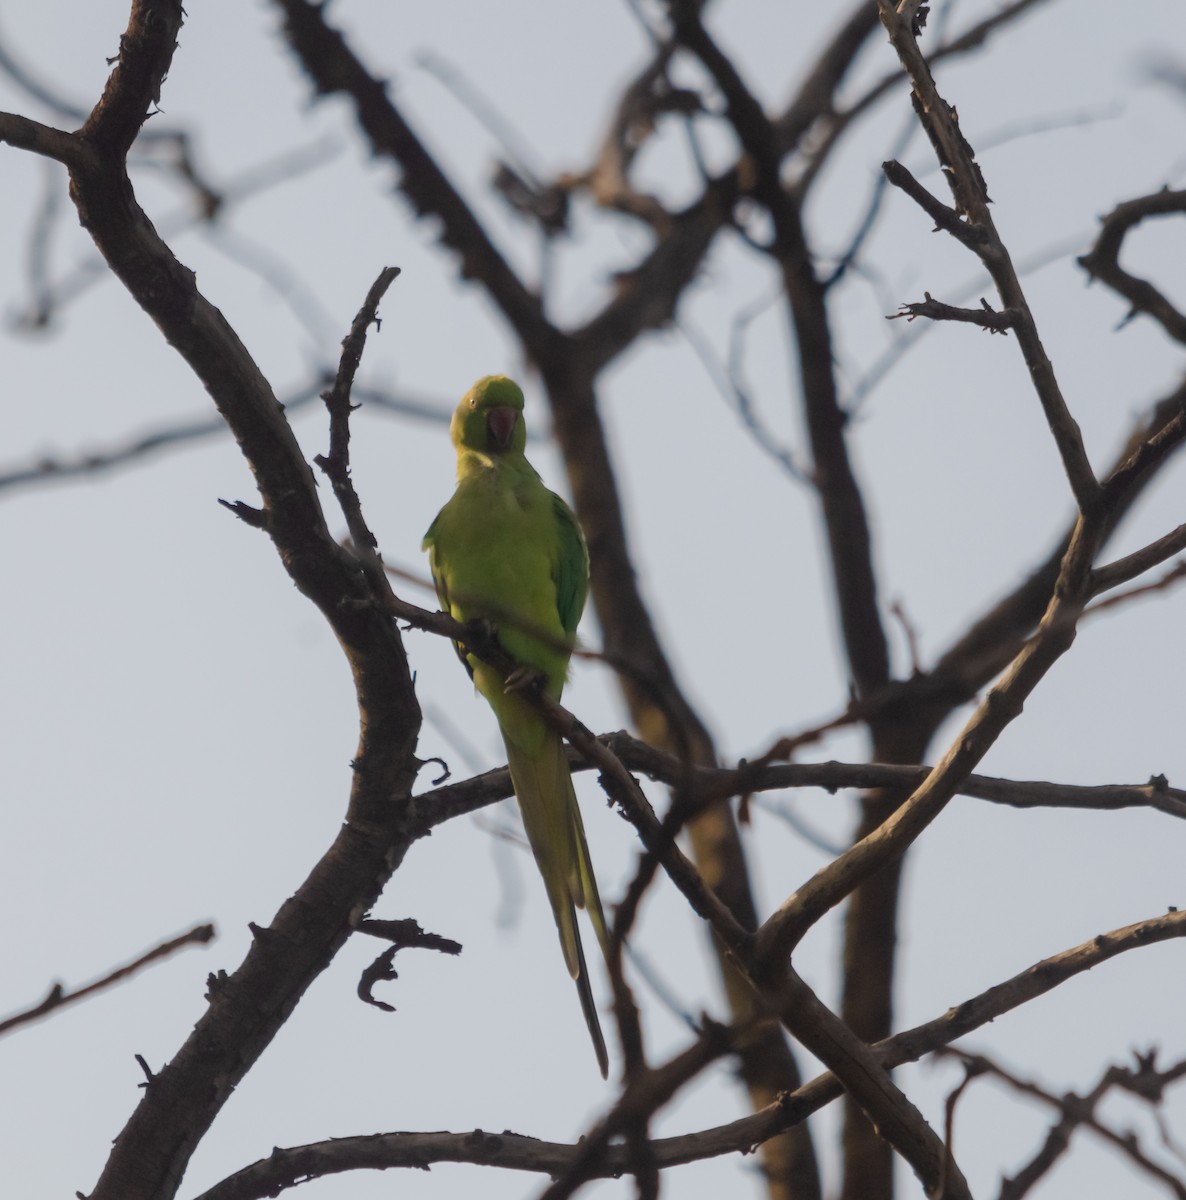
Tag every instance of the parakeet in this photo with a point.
(507, 549)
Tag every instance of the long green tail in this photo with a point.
(548, 802)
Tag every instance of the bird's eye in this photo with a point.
(473, 403)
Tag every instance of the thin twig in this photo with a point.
(1080, 1110)
(1140, 561)
(336, 464)
(58, 997)
(971, 222)
(1102, 261)
(985, 316)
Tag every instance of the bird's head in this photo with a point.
(489, 418)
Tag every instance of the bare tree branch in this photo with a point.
(289, 1167)
(1139, 561)
(58, 997)
(972, 223)
(248, 1007)
(52, 468)
(644, 300)
(709, 785)
(985, 316)
(1000, 706)
(209, 217)
(333, 68)
(336, 464)
(770, 176)
(29, 135)
(836, 124)
(1102, 261)
(1080, 1111)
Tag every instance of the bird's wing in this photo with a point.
(572, 566)
(442, 586)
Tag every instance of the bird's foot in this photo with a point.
(522, 678)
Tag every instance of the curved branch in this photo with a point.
(288, 1167)
(1102, 261)
(247, 1008)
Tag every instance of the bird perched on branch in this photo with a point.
(506, 549)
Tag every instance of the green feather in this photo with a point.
(507, 549)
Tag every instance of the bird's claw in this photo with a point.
(521, 678)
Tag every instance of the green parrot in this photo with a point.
(507, 549)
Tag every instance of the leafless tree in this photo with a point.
(988, 671)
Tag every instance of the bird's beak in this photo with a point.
(500, 425)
